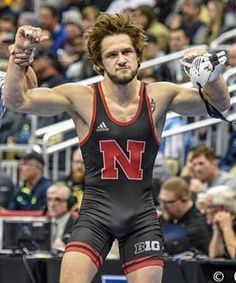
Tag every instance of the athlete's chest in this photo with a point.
(123, 113)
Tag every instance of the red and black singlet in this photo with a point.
(119, 158)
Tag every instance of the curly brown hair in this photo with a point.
(107, 25)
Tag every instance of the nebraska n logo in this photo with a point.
(113, 154)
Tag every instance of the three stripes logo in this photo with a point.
(102, 127)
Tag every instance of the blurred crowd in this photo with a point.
(170, 25)
(197, 201)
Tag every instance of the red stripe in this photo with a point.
(137, 260)
(151, 120)
(83, 141)
(86, 252)
(78, 246)
(113, 119)
(136, 266)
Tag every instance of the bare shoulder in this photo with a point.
(162, 93)
(165, 89)
(81, 99)
(74, 91)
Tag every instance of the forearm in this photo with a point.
(216, 246)
(15, 86)
(230, 241)
(217, 93)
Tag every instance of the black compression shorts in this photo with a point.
(138, 248)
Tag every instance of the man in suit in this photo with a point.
(59, 203)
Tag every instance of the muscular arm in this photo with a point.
(39, 101)
(187, 101)
(18, 93)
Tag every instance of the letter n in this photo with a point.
(113, 154)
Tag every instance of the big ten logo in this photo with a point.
(147, 246)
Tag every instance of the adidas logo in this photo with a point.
(102, 127)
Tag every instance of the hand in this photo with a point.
(202, 67)
(196, 186)
(58, 244)
(223, 219)
(191, 53)
(27, 39)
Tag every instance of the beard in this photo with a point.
(122, 79)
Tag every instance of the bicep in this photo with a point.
(187, 101)
(45, 102)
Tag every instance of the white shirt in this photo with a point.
(58, 226)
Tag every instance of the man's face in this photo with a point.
(28, 169)
(178, 40)
(78, 168)
(203, 168)
(170, 204)
(189, 10)
(119, 59)
(57, 203)
(211, 210)
(46, 18)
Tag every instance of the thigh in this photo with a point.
(77, 268)
(149, 274)
(142, 248)
(91, 239)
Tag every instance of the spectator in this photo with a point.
(49, 18)
(76, 178)
(154, 73)
(166, 10)
(206, 171)
(175, 147)
(221, 211)
(215, 10)
(179, 40)
(191, 22)
(32, 195)
(47, 68)
(27, 18)
(230, 14)
(72, 51)
(11, 127)
(187, 170)
(89, 15)
(178, 209)
(7, 35)
(59, 203)
(145, 16)
(161, 173)
(49, 72)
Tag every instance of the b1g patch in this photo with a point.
(147, 246)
